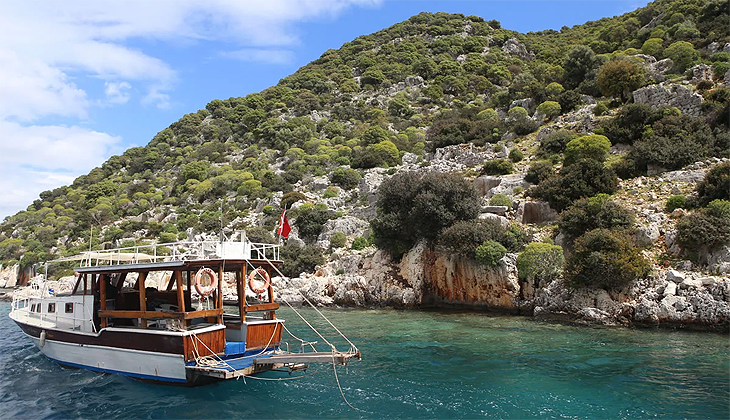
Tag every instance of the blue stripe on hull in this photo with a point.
(119, 372)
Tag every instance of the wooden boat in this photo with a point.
(156, 333)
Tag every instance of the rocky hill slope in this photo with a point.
(561, 138)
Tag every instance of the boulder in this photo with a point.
(535, 212)
(514, 47)
(484, 184)
(675, 276)
(501, 210)
(690, 282)
(350, 226)
(671, 289)
(647, 235)
(501, 219)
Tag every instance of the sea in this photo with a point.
(415, 364)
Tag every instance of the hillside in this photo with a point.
(554, 118)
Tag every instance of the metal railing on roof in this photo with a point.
(177, 251)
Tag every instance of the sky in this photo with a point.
(81, 81)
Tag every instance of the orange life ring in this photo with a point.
(252, 276)
(206, 290)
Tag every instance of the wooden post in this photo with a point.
(85, 283)
(271, 293)
(241, 290)
(219, 298)
(102, 297)
(171, 281)
(189, 293)
(78, 282)
(142, 297)
(177, 275)
(120, 281)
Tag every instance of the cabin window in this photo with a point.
(32, 307)
(38, 308)
(51, 308)
(69, 308)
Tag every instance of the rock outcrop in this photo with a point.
(663, 95)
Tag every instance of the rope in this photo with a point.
(353, 346)
(334, 368)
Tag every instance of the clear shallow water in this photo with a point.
(416, 365)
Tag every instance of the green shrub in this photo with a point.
(653, 46)
(600, 109)
(338, 240)
(360, 243)
(167, 237)
(515, 155)
(489, 253)
(585, 178)
(683, 54)
(300, 259)
(497, 167)
(464, 236)
(331, 192)
(540, 262)
(675, 202)
(554, 143)
(500, 200)
(715, 185)
(550, 109)
(311, 220)
(592, 213)
(345, 178)
(593, 146)
(514, 238)
(620, 77)
(605, 259)
(260, 234)
(412, 206)
(290, 198)
(554, 89)
(520, 122)
(539, 171)
(707, 228)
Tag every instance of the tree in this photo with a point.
(620, 77)
(550, 109)
(412, 206)
(584, 178)
(682, 54)
(593, 213)
(580, 62)
(540, 262)
(653, 46)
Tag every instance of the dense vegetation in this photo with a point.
(431, 81)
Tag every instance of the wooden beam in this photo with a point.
(271, 293)
(120, 281)
(241, 290)
(204, 314)
(160, 315)
(142, 298)
(177, 275)
(78, 282)
(102, 298)
(219, 296)
(171, 282)
(262, 307)
(85, 283)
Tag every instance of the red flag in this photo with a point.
(284, 227)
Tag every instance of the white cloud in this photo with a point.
(48, 49)
(260, 55)
(117, 93)
(38, 158)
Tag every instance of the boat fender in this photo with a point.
(206, 290)
(252, 276)
(42, 341)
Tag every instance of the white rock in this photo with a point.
(671, 289)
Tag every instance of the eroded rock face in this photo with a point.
(535, 212)
(458, 280)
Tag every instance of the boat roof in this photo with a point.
(172, 265)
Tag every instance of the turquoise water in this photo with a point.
(415, 365)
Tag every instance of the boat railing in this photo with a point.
(22, 304)
(178, 251)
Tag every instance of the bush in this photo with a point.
(311, 220)
(620, 77)
(360, 243)
(412, 206)
(600, 109)
(593, 146)
(497, 167)
(519, 122)
(705, 229)
(514, 238)
(331, 192)
(653, 46)
(539, 171)
(605, 259)
(338, 240)
(675, 202)
(300, 259)
(628, 125)
(345, 178)
(550, 109)
(540, 262)
(554, 88)
(489, 253)
(515, 155)
(715, 185)
(465, 236)
(290, 198)
(593, 213)
(683, 54)
(500, 200)
(585, 178)
(554, 143)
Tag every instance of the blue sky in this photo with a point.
(83, 80)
